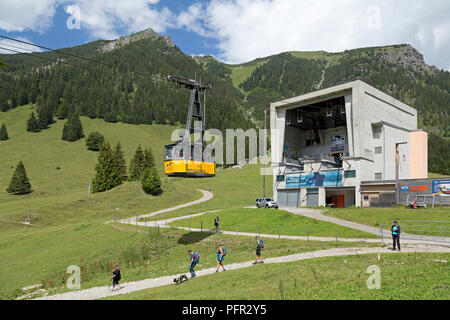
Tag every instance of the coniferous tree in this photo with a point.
(32, 124)
(151, 183)
(73, 129)
(45, 116)
(149, 161)
(3, 133)
(137, 165)
(63, 111)
(94, 141)
(107, 176)
(120, 163)
(19, 182)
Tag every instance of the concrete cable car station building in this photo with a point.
(337, 145)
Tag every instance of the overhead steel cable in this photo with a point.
(83, 58)
(45, 58)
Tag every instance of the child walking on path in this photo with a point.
(259, 246)
(116, 277)
(221, 253)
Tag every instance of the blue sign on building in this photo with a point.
(441, 187)
(315, 179)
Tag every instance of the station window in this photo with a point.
(350, 174)
(378, 176)
(378, 150)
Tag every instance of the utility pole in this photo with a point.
(265, 152)
(397, 173)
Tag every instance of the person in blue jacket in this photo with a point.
(395, 229)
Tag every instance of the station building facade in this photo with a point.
(325, 146)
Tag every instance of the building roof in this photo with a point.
(344, 88)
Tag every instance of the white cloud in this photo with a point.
(248, 29)
(26, 15)
(104, 19)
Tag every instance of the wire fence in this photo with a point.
(419, 230)
(415, 230)
(307, 230)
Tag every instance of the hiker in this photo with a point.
(216, 223)
(116, 277)
(395, 229)
(259, 246)
(221, 253)
(193, 260)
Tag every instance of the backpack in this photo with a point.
(224, 250)
(196, 258)
(261, 244)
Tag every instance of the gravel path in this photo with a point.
(101, 292)
(309, 213)
(314, 214)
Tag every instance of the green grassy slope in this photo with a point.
(404, 277)
(372, 216)
(271, 222)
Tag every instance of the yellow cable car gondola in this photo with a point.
(183, 158)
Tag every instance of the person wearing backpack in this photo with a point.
(194, 259)
(216, 223)
(259, 246)
(221, 253)
(395, 229)
(116, 277)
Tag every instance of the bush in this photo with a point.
(94, 141)
(151, 184)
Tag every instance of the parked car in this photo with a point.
(266, 203)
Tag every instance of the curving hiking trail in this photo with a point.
(409, 246)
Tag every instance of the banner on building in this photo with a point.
(315, 179)
(441, 187)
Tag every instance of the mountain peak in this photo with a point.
(148, 33)
(406, 56)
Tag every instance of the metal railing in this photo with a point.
(419, 230)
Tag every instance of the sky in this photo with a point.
(237, 31)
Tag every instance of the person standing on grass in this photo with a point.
(258, 250)
(116, 277)
(216, 223)
(220, 257)
(395, 229)
(193, 260)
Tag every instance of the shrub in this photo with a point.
(94, 141)
(151, 183)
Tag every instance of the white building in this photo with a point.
(325, 143)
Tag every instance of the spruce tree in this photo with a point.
(19, 182)
(73, 130)
(45, 116)
(32, 124)
(137, 165)
(151, 183)
(120, 163)
(3, 133)
(107, 176)
(149, 161)
(63, 111)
